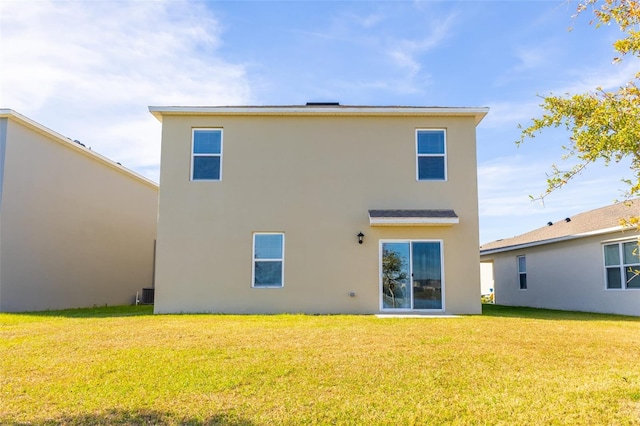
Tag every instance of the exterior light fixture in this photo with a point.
(360, 237)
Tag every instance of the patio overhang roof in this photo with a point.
(413, 218)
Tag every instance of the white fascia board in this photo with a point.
(413, 221)
(552, 240)
(478, 112)
(629, 237)
(603, 231)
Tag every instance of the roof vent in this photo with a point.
(323, 103)
(549, 223)
(567, 219)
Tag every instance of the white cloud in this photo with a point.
(504, 186)
(509, 114)
(405, 59)
(505, 113)
(383, 60)
(396, 85)
(530, 58)
(90, 69)
(506, 183)
(610, 77)
(405, 52)
(371, 20)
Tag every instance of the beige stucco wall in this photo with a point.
(313, 178)
(74, 231)
(567, 275)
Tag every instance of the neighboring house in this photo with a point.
(318, 209)
(76, 229)
(586, 262)
(486, 278)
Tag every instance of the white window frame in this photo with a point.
(444, 155)
(194, 155)
(381, 284)
(253, 260)
(622, 266)
(521, 273)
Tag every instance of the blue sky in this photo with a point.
(88, 70)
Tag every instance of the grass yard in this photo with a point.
(509, 366)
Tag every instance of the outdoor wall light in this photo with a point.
(360, 237)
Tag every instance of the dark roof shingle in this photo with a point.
(413, 213)
(583, 223)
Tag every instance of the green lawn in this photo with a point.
(509, 366)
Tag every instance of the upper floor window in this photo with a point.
(431, 154)
(268, 260)
(206, 154)
(522, 272)
(622, 265)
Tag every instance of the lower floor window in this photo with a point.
(411, 275)
(622, 265)
(268, 260)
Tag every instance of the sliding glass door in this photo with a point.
(411, 275)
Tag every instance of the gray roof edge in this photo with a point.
(409, 213)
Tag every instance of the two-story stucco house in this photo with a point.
(76, 228)
(318, 209)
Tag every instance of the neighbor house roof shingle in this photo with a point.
(581, 225)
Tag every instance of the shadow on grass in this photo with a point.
(490, 310)
(142, 417)
(96, 312)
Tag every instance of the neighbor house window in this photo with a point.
(268, 260)
(622, 265)
(522, 272)
(206, 154)
(431, 155)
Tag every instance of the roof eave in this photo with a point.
(404, 221)
(477, 112)
(553, 240)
